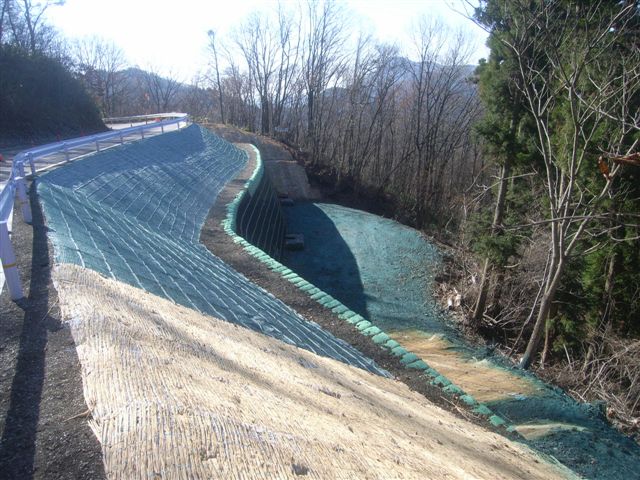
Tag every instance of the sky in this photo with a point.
(171, 36)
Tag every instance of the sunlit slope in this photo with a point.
(384, 271)
(134, 213)
(176, 394)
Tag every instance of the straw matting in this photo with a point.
(480, 378)
(176, 394)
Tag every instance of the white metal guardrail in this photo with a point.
(154, 117)
(15, 189)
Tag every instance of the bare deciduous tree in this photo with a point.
(161, 89)
(26, 21)
(324, 38)
(258, 44)
(100, 65)
(563, 70)
(216, 67)
(5, 12)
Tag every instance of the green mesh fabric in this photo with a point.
(134, 213)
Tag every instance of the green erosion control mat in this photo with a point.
(259, 217)
(134, 213)
(376, 267)
(383, 271)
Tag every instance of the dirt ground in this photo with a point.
(286, 174)
(43, 421)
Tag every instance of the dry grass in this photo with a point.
(608, 370)
(486, 382)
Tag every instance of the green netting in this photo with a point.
(134, 213)
(383, 271)
(376, 267)
(259, 217)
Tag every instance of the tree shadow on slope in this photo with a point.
(327, 260)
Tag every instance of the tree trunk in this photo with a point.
(5, 7)
(609, 284)
(497, 292)
(310, 113)
(30, 28)
(481, 301)
(498, 214)
(219, 91)
(613, 266)
(543, 314)
(548, 327)
(265, 126)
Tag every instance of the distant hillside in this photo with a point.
(133, 91)
(39, 98)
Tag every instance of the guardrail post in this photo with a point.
(66, 151)
(23, 200)
(162, 127)
(9, 263)
(121, 138)
(97, 145)
(32, 164)
(142, 132)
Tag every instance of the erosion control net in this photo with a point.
(134, 213)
